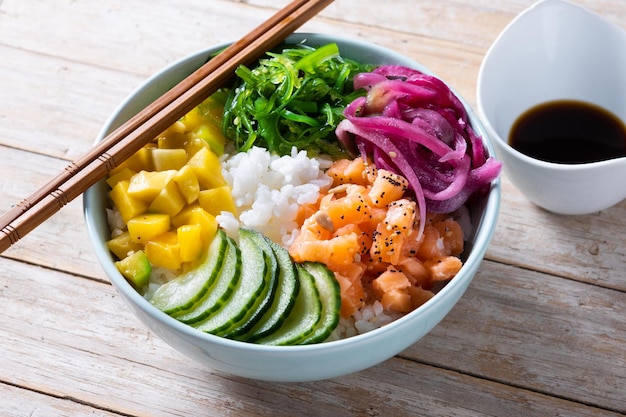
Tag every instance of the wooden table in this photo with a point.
(541, 330)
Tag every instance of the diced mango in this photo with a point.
(190, 240)
(148, 226)
(193, 145)
(192, 120)
(125, 174)
(166, 159)
(164, 251)
(173, 138)
(208, 169)
(216, 200)
(197, 215)
(127, 205)
(157, 190)
(146, 185)
(187, 183)
(169, 201)
(140, 160)
(122, 244)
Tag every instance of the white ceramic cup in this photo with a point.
(555, 50)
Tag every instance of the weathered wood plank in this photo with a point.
(17, 402)
(53, 106)
(587, 248)
(546, 334)
(61, 242)
(519, 342)
(70, 338)
(475, 23)
(110, 34)
(69, 108)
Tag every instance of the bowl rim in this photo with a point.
(483, 230)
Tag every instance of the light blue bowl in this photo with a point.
(288, 363)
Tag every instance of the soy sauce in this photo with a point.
(569, 132)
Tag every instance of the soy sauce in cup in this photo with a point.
(569, 132)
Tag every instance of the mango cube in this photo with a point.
(192, 119)
(198, 215)
(122, 244)
(190, 240)
(193, 145)
(187, 183)
(146, 185)
(125, 174)
(164, 251)
(140, 160)
(207, 167)
(148, 226)
(127, 205)
(173, 137)
(216, 200)
(166, 159)
(169, 201)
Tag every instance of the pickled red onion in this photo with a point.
(412, 124)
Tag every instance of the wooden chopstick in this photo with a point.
(118, 146)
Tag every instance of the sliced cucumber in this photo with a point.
(303, 319)
(287, 290)
(182, 293)
(219, 294)
(264, 302)
(252, 287)
(330, 296)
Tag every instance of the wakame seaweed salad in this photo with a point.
(295, 97)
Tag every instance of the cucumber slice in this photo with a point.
(303, 319)
(264, 302)
(219, 294)
(182, 293)
(252, 286)
(287, 290)
(330, 296)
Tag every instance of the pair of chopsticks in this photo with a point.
(150, 122)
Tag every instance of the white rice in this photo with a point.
(116, 223)
(268, 190)
(368, 318)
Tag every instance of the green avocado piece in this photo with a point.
(136, 269)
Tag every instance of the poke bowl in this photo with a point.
(342, 349)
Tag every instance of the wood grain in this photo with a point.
(541, 330)
(99, 354)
